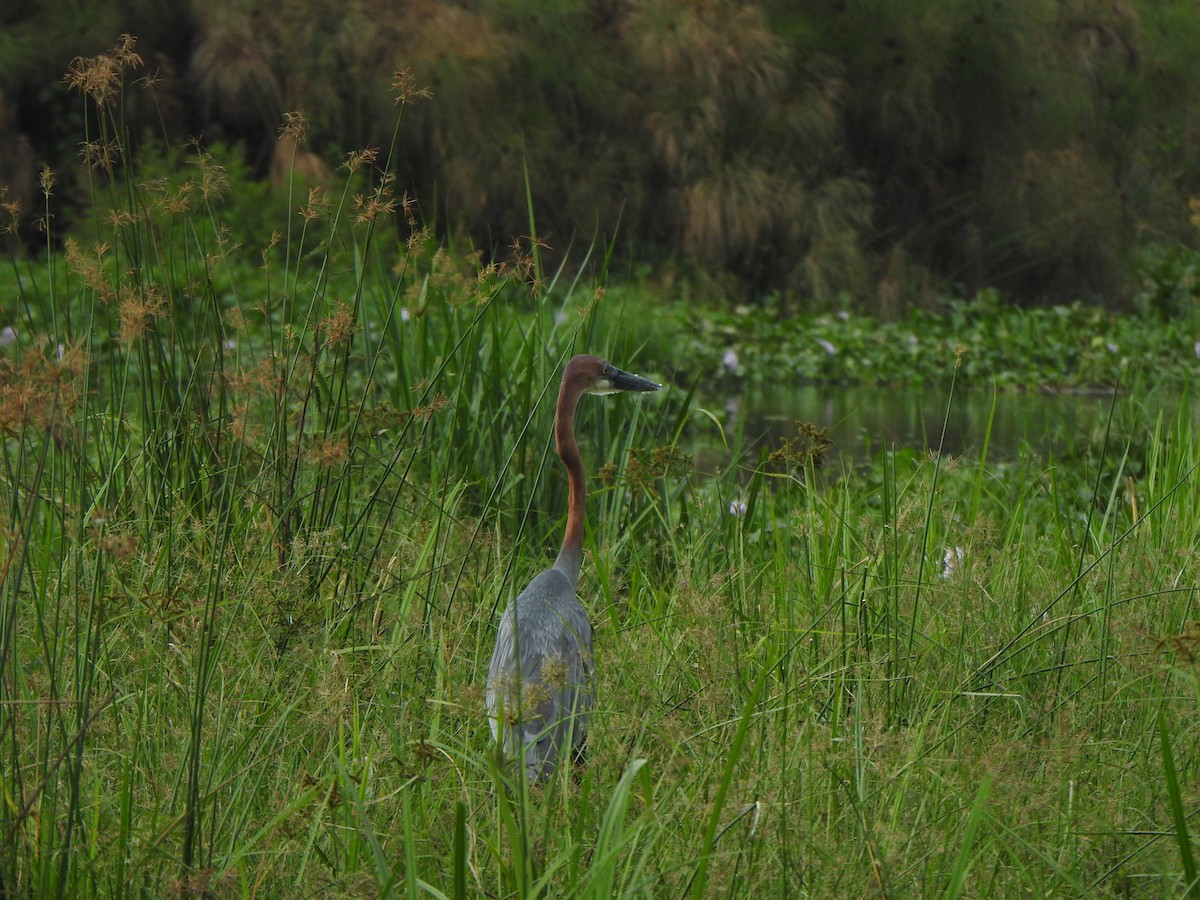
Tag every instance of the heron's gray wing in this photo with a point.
(566, 675)
(540, 679)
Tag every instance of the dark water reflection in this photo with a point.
(862, 421)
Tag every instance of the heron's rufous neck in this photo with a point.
(570, 557)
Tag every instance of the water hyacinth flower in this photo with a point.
(738, 507)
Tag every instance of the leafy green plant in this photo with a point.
(1170, 281)
(259, 507)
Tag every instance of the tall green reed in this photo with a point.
(237, 454)
(261, 510)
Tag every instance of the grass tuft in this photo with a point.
(262, 502)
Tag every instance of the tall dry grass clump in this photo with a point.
(743, 135)
(234, 76)
(757, 148)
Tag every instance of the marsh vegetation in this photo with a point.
(261, 504)
(892, 154)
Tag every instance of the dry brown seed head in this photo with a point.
(294, 125)
(100, 155)
(328, 452)
(137, 310)
(356, 159)
(554, 671)
(404, 83)
(12, 208)
(339, 325)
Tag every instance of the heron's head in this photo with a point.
(593, 375)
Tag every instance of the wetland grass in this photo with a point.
(261, 507)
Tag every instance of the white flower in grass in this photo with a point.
(951, 561)
(1112, 347)
(827, 346)
(730, 360)
(1196, 348)
(738, 507)
(405, 315)
(844, 315)
(9, 335)
(229, 344)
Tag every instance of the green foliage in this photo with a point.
(985, 341)
(259, 506)
(1170, 282)
(890, 151)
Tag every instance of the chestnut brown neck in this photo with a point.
(570, 557)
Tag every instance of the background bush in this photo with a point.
(890, 152)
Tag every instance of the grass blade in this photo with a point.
(700, 877)
(1175, 800)
(961, 865)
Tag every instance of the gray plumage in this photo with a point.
(540, 687)
(541, 706)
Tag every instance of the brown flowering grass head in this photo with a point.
(117, 546)
(380, 202)
(92, 268)
(356, 159)
(1184, 647)
(807, 448)
(12, 210)
(99, 77)
(328, 452)
(440, 401)
(338, 326)
(101, 156)
(408, 209)
(213, 180)
(139, 307)
(318, 204)
(522, 264)
(555, 672)
(41, 390)
(294, 125)
(404, 86)
(531, 693)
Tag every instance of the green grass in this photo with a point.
(261, 512)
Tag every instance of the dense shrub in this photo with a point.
(891, 151)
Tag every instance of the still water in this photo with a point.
(862, 421)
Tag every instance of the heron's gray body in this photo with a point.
(540, 686)
(538, 706)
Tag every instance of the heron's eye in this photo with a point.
(608, 370)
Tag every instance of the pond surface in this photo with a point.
(863, 421)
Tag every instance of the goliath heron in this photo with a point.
(539, 687)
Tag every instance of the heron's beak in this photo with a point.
(624, 381)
